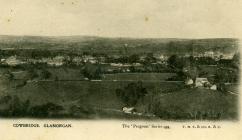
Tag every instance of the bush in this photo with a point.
(46, 110)
(80, 111)
(16, 108)
(5, 99)
(170, 112)
(45, 74)
(92, 71)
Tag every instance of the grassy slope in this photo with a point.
(203, 100)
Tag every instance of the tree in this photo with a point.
(132, 93)
(133, 58)
(91, 71)
(175, 62)
(191, 71)
(45, 74)
(9, 75)
(45, 110)
(149, 58)
(33, 74)
(15, 108)
(5, 99)
(172, 61)
(236, 60)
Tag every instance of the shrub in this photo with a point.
(5, 99)
(80, 111)
(46, 110)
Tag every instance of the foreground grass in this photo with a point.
(95, 100)
(197, 104)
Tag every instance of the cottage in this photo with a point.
(128, 110)
(13, 61)
(189, 81)
(56, 61)
(213, 87)
(201, 82)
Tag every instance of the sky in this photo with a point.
(122, 18)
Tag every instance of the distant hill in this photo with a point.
(105, 45)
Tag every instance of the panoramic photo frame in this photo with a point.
(79, 67)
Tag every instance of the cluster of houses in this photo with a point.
(78, 60)
(55, 61)
(61, 60)
(200, 82)
(14, 61)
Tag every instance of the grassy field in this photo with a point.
(164, 98)
(139, 76)
(198, 104)
(65, 73)
(62, 73)
(88, 91)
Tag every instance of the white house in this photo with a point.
(189, 81)
(213, 87)
(128, 110)
(13, 61)
(56, 61)
(200, 82)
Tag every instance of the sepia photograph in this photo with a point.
(88, 77)
(112, 69)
